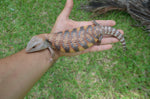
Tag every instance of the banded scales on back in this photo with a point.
(79, 39)
(74, 40)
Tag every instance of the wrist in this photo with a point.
(43, 56)
(47, 57)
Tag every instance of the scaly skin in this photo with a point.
(74, 40)
(79, 39)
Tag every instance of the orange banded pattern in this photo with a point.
(79, 39)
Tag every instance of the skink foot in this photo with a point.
(52, 52)
(95, 23)
(101, 35)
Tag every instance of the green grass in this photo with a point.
(107, 74)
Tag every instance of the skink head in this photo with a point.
(37, 43)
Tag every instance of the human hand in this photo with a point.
(64, 23)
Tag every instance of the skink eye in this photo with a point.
(34, 46)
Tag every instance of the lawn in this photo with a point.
(108, 74)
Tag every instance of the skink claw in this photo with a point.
(52, 52)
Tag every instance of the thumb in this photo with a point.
(67, 9)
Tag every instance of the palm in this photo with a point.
(64, 23)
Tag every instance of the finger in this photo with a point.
(67, 9)
(109, 40)
(101, 22)
(98, 48)
(121, 31)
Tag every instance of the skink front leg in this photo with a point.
(50, 48)
(52, 52)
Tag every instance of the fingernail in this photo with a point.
(113, 22)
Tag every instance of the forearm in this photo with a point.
(18, 77)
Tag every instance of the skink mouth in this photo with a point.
(28, 49)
